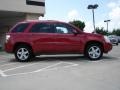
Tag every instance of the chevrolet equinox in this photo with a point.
(30, 38)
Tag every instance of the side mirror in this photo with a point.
(75, 32)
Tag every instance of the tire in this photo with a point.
(33, 56)
(117, 44)
(23, 53)
(94, 52)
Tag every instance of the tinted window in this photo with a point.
(63, 29)
(42, 28)
(20, 27)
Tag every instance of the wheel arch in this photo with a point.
(93, 42)
(22, 43)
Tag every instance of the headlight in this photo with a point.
(107, 39)
(7, 38)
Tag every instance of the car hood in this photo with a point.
(94, 36)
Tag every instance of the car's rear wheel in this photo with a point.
(117, 44)
(94, 51)
(23, 53)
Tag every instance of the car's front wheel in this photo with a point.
(94, 51)
(23, 53)
(117, 44)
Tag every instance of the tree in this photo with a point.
(116, 32)
(78, 23)
(101, 31)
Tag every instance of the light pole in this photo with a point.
(93, 7)
(107, 23)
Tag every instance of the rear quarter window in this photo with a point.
(20, 28)
(42, 28)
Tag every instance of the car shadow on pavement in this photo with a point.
(54, 58)
(60, 58)
(110, 58)
(66, 58)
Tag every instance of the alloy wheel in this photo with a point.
(94, 52)
(23, 54)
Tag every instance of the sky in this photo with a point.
(69, 10)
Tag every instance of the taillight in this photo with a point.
(7, 38)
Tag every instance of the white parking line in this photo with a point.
(19, 67)
(72, 65)
(2, 73)
(7, 64)
(48, 67)
(44, 69)
(36, 71)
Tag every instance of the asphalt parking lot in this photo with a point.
(61, 72)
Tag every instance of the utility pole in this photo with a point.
(93, 7)
(107, 21)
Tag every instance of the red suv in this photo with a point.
(30, 38)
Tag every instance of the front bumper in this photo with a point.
(107, 47)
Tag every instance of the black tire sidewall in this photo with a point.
(28, 49)
(91, 45)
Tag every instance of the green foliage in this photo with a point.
(104, 32)
(81, 25)
(101, 31)
(116, 32)
(78, 23)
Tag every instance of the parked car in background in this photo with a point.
(119, 39)
(113, 39)
(30, 38)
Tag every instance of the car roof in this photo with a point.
(41, 21)
(48, 21)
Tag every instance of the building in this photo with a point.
(13, 11)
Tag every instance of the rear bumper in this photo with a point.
(107, 47)
(8, 48)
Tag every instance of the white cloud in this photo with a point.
(74, 15)
(88, 26)
(101, 24)
(115, 14)
(104, 25)
(111, 4)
